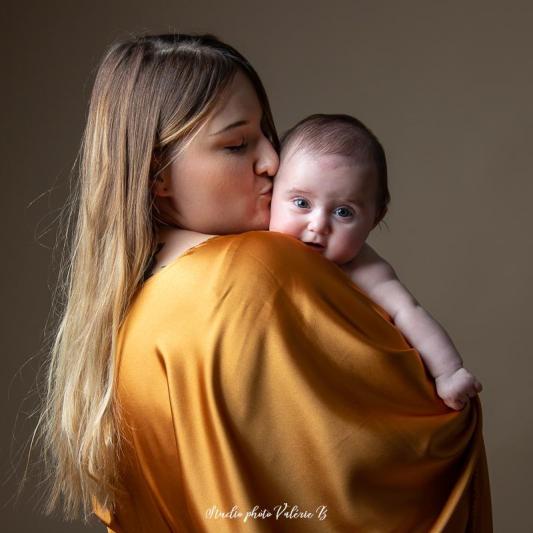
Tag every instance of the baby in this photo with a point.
(330, 192)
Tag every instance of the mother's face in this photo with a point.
(220, 183)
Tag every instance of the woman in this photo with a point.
(211, 376)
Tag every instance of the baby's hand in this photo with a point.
(457, 388)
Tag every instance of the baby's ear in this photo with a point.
(380, 216)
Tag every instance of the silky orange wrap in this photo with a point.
(254, 375)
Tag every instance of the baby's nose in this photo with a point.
(320, 224)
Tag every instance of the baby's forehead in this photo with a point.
(328, 172)
(301, 163)
(326, 160)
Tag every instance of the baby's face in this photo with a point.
(326, 201)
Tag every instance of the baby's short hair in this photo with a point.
(338, 134)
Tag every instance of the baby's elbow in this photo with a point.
(409, 314)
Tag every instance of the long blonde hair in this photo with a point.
(150, 94)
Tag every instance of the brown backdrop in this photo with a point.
(445, 85)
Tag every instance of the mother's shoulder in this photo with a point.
(272, 247)
(268, 241)
(280, 254)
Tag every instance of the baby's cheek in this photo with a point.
(281, 220)
(276, 215)
(278, 223)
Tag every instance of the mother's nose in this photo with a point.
(267, 161)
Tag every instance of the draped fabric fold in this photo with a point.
(263, 391)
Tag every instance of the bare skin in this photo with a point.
(172, 243)
(221, 182)
(455, 384)
(334, 216)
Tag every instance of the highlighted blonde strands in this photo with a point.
(150, 96)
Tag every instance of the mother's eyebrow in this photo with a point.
(231, 126)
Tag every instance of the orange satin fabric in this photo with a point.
(252, 372)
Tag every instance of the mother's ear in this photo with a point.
(159, 179)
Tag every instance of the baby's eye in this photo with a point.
(344, 212)
(236, 148)
(301, 203)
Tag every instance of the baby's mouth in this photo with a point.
(315, 246)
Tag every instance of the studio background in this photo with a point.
(446, 86)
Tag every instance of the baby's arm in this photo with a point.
(455, 385)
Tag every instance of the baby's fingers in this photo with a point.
(456, 403)
(471, 382)
(473, 388)
(473, 392)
